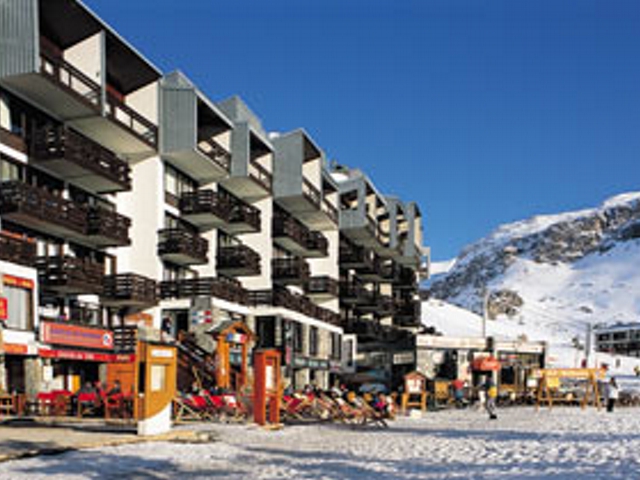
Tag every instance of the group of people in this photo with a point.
(95, 394)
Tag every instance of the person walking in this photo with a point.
(491, 393)
(613, 393)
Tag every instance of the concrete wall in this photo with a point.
(88, 56)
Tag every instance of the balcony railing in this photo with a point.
(69, 78)
(322, 285)
(125, 339)
(244, 214)
(260, 174)
(311, 193)
(215, 152)
(281, 297)
(206, 203)
(58, 142)
(126, 116)
(211, 208)
(290, 270)
(110, 228)
(330, 210)
(218, 287)
(17, 249)
(238, 260)
(305, 241)
(12, 140)
(38, 205)
(70, 274)
(182, 246)
(353, 256)
(130, 289)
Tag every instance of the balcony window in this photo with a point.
(176, 183)
(9, 170)
(298, 338)
(336, 346)
(19, 307)
(266, 332)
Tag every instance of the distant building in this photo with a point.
(622, 339)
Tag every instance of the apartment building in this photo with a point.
(131, 203)
(620, 339)
(381, 261)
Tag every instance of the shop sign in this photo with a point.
(4, 307)
(76, 336)
(161, 353)
(335, 366)
(18, 282)
(300, 362)
(318, 364)
(239, 338)
(86, 356)
(404, 358)
(16, 349)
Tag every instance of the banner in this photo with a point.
(76, 336)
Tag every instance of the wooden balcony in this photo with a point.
(290, 271)
(132, 122)
(353, 293)
(281, 297)
(107, 228)
(183, 247)
(41, 210)
(295, 237)
(125, 339)
(218, 155)
(64, 152)
(407, 313)
(205, 209)
(219, 287)
(354, 256)
(322, 288)
(261, 176)
(17, 249)
(129, 290)
(70, 275)
(238, 261)
(209, 209)
(12, 140)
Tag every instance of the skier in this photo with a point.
(613, 393)
(491, 396)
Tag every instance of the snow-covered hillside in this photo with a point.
(548, 277)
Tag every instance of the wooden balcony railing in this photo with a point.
(311, 193)
(110, 225)
(211, 149)
(290, 270)
(130, 288)
(133, 121)
(242, 212)
(238, 260)
(17, 249)
(322, 285)
(20, 199)
(58, 142)
(354, 256)
(125, 339)
(12, 140)
(179, 242)
(219, 287)
(281, 297)
(69, 78)
(70, 274)
(260, 175)
(205, 202)
(309, 242)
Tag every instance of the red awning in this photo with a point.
(87, 356)
(485, 364)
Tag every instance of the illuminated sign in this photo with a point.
(18, 282)
(3, 308)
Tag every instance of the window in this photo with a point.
(9, 170)
(336, 346)
(176, 183)
(313, 341)
(266, 332)
(298, 339)
(19, 307)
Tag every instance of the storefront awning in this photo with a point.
(87, 356)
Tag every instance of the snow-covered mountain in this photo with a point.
(550, 276)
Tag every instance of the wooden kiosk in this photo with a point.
(549, 380)
(415, 391)
(267, 389)
(233, 338)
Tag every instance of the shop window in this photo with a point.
(19, 307)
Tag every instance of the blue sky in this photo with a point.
(484, 112)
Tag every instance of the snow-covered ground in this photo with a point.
(565, 443)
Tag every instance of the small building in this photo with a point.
(621, 339)
(449, 358)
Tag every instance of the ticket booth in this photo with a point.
(233, 345)
(415, 391)
(267, 387)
